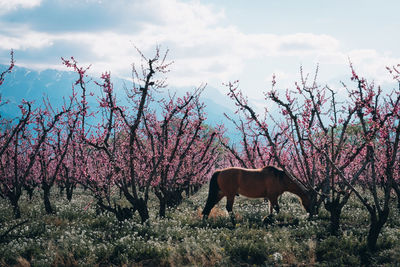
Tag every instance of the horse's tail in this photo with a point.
(212, 194)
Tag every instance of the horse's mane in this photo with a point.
(281, 173)
(276, 171)
(299, 183)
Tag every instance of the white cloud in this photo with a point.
(307, 43)
(184, 14)
(203, 47)
(202, 55)
(25, 40)
(8, 5)
(371, 64)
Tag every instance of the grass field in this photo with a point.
(76, 236)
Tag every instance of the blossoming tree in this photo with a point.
(133, 150)
(316, 140)
(180, 150)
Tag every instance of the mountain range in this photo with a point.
(33, 85)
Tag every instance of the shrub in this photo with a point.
(248, 251)
(149, 253)
(337, 251)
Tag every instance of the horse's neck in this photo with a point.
(295, 188)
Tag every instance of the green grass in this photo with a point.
(76, 236)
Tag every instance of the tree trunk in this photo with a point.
(168, 199)
(174, 198)
(398, 202)
(163, 203)
(138, 204)
(141, 207)
(335, 211)
(14, 196)
(372, 238)
(195, 189)
(375, 228)
(16, 209)
(335, 207)
(46, 199)
(314, 209)
(397, 190)
(29, 190)
(187, 191)
(61, 190)
(70, 190)
(163, 207)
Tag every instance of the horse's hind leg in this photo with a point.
(210, 204)
(214, 195)
(229, 208)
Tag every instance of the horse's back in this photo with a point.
(254, 183)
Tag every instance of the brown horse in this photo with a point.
(268, 182)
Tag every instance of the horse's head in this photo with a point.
(296, 186)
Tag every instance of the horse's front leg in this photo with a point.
(273, 205)
(229, 208)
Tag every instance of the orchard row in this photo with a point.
(335, 145)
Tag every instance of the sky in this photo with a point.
(210, 42)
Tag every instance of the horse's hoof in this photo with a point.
(268, 220)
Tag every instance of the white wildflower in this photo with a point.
(277, 257)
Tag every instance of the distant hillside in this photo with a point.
(33, 85)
